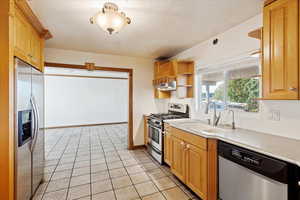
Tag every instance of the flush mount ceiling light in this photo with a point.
(110, 19)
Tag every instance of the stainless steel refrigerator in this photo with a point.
(29, 134)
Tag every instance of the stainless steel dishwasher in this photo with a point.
(248, 175)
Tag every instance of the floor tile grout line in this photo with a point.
(112, 136)
(81, 130)
(151, 180)
(54, 144)
(90, 164)
(129, 177)
(103, 128)
(55, 167)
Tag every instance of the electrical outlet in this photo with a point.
(274, 115)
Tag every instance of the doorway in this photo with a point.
(78, 96)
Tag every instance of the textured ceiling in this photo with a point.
(159, 27)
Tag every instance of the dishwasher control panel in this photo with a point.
(245, 157)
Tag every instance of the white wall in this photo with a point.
(233, 44)
(143, 101)
(81, 101)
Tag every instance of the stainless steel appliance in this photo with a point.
(156, 128)
(167, 86)
(247, 175)
(29, 134)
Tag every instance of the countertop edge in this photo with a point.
(247, 146)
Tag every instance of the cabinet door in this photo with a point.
(167, 148)
(21, 37)
(156, 70)
(145, 130)
(35, 49)
(164, 69)
(196, 170)
(280, 50)
(178, 157)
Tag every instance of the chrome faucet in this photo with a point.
(233, 120)
(216, 119)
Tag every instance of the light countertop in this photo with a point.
(275, 146)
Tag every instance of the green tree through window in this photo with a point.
(244, 91)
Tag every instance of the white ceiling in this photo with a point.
(159, 27)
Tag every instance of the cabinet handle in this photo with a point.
(293, 89)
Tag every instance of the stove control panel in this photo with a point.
(175, 107)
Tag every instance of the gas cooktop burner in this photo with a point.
(165, 116)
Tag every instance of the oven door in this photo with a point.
(155, 137)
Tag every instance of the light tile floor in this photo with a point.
(93, 163)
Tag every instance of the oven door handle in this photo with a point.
(155, 128)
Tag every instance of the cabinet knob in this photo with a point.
(187, 146)
(293, 89)
(182, 143)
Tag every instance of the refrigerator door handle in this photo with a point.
(34, 117)
(36, 125)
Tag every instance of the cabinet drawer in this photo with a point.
(190, 138)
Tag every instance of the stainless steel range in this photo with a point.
(156, 128)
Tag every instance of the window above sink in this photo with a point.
(234, 86)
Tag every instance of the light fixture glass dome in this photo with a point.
(109, 19)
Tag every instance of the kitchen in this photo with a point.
(249, 143)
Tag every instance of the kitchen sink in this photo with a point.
(198, 126)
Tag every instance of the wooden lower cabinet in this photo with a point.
(178, 158)
(194, 162)
(145, 130)
(167, 148)
(196, 170)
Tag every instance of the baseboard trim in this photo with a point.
(84, 125)
(139, 147)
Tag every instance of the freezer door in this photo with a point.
(22, 153)
(38, 152)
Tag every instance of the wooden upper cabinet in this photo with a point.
(164, 69)
(180, 71)
(35, 49)
(21, 36)
(28, 43)
(196, 170)
(280, 50)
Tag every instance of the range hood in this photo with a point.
(167, 86)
